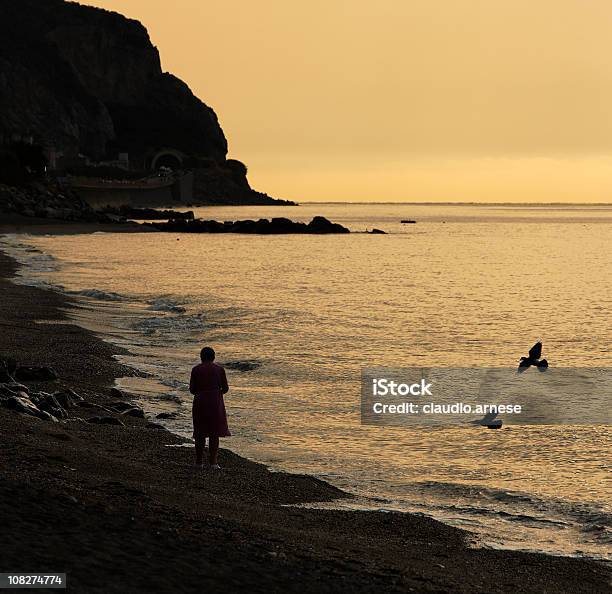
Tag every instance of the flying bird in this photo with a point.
(535, 352)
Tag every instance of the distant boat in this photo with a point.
(405, 221)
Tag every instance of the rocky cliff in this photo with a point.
(86, 80)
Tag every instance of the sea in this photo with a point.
(296, 319)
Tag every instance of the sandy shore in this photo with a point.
(119, 511)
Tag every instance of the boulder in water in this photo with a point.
(323, 225)
(242, 365)
(275, 226)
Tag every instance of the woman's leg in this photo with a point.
(199, 448)
(213, 449)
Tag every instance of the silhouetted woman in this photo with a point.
(208, 384)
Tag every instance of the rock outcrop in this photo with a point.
(274, 226)
(58, 406)
(47, 201)
(227, 183)
(148, 214)
(86, 81)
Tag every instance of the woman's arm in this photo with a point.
(224, 385)
(192, 383)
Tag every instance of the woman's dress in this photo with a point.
(208, 383)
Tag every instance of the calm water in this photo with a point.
(465, 286)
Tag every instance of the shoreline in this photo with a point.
(18, 224)
(146, 514)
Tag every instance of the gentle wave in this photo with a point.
(165, 304)
(586, 516)
(34, 260)
(174, 383)
(101, 295)
(173, 324)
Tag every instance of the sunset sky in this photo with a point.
(401, 100)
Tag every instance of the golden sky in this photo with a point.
(401, 100)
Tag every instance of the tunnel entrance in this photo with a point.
(167, 158)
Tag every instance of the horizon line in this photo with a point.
(456, 203)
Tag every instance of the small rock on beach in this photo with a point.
(105, 421)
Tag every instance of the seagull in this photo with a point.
(489, 421)
(535, 352)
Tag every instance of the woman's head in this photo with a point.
(207, 354)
